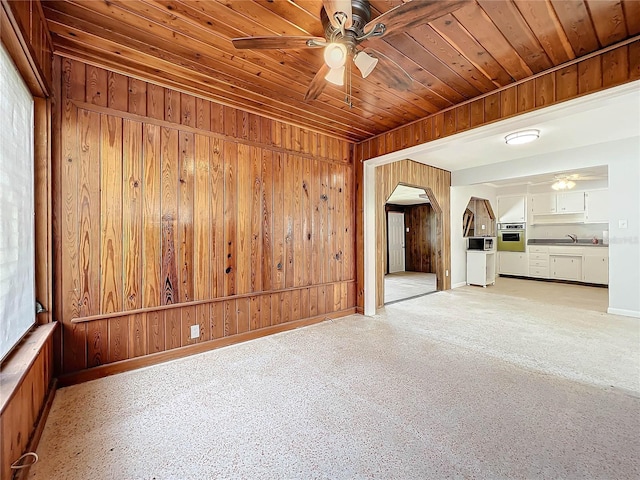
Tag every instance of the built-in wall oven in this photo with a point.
(511, 237)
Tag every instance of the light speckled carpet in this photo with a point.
(457, 384)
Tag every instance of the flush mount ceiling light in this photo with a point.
(524, 136)
(563, 184)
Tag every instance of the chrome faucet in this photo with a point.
(573, 237)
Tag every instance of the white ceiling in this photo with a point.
(404, 195)
(613, 114)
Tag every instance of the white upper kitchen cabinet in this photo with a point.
(570, 202)
(543, 203)
(511, 209)
(596, 206)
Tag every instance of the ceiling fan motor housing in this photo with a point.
(361, 14)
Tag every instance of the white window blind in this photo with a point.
(17, 262)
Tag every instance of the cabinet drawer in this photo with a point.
(538, 249)
(542, 272)
(539, 263)
(539, 256)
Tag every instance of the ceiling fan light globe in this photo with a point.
(563, 185)
(365, 63)
(335, 55)
(524, 136)
(335, 76)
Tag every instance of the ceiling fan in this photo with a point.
(347, 23)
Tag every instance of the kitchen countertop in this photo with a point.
(582, 242)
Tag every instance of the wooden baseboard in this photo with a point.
(23, 473)
(160, 357)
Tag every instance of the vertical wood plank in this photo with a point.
(230, 214)
(187, 110)
(615, 66)
(111, 278)
(267, 219)
(74, 335)
(254, 310)
(492, 107)
(477, 113)
(132, 213)
(256, 220)
(151, 218)
(508, 102)
(203, 319)
(187, 319)
(217, 312)
(137, 96)
(545, 89)
(217, 118)
(243, 221)
(203, 114)
(288, 214)
(137, 335)
(306, 206)
(298, 242)
(276, 308)
(89, 235)
(265, 310)
(172, 106)
(185, 213)
(566, 82)
(316, 271)
(169, 187)
(201, 223)
(96, 85)
(590, 75)
(278, 270)
(117, 91)
(295, 305)
(155, 331)
(173, 328)
(230, 318)
(216, 217)
(526, 96)
(155, 101)
(463, 117)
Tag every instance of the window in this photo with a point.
(17, 264)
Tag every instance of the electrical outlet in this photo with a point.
(195, 331)
(446, 273)
(483, 227)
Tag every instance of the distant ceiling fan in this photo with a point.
(347, 23)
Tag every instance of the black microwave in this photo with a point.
(481, 243)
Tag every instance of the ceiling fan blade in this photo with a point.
(317, 84)
(255, 43)
(390, 73)
(334, 6)
(413, 13)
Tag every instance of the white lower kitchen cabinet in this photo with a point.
(565, 267)
(513, 263)
(595, 269)
(481, 267)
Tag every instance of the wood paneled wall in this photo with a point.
(172, 211)
(25, 386)
(421, 239)
(25, 33)
(437, 184)
(605, 70)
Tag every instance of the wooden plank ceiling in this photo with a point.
(480, 47)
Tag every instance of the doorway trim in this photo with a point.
(371, 211)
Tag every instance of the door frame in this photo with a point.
(373, 244)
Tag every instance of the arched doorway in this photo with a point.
(413, 222)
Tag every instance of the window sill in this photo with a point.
(17, 365)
